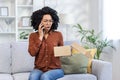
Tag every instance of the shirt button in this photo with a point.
(46, 61)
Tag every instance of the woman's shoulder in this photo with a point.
(57, 32)
(34, 33)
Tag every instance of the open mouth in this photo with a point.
(47, 27)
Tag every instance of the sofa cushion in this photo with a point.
(5, 58)
(6, 77)
(75, 64)
(89, 54)
(77, 48)
(92, 53)
(79, 77)
(21, 59)
(21, 76)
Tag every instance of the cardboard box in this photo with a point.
(62, 51)
(79, 48)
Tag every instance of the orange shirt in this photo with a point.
(43, 50)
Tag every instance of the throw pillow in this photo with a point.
(88, 53)
(75, 64)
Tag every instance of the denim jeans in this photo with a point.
(49, 75)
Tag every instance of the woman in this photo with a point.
(41, 44)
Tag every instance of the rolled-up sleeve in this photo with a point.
(34, 44)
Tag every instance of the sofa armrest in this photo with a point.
(102, 69)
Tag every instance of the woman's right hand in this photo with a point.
(40, 31)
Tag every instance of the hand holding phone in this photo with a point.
(41, 31)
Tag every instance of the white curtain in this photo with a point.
(111, 19)
(111, 27)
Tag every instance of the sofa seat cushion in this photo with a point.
(6, 77)
(21, 76)
(79, 77)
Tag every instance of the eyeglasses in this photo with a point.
(50, 21)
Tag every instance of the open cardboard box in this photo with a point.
(62, 51)
(67, 50)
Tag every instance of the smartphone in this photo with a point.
(43, 28)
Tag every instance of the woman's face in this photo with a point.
(47, 22)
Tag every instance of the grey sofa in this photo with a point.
(16, 64)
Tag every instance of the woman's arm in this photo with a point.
(34, 44)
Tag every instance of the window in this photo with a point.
(111, 19)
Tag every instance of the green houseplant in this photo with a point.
(23, 35)
(91, 40)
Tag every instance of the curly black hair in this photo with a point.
(38, 15)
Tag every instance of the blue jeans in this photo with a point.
(49, 75)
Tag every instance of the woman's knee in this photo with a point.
(45, 77)
(35, 75)
(52, 74)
